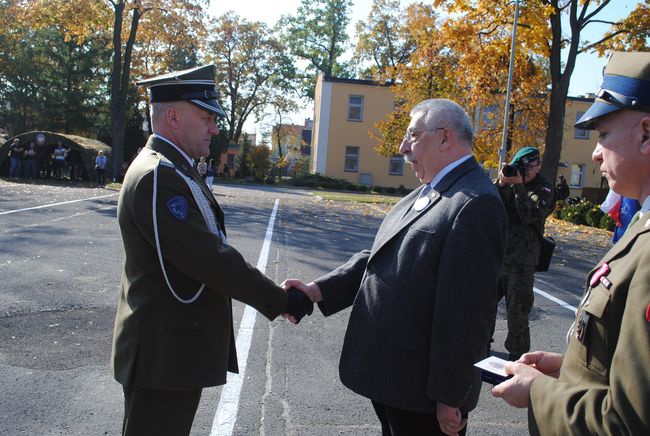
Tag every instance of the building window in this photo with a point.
(355, 108)
(396, 165)
(351, 159)
(577, 175)
(579, 133)
(490, 117)
(230, 160)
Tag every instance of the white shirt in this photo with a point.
(446, 170)
(189, 159)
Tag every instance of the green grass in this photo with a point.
(358, 198)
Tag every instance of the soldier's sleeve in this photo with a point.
(622, 407)
(187, 244)
(534, 205)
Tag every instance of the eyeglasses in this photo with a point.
(411, 135)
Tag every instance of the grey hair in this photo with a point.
(158, 110)
(441, 112)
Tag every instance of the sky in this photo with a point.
(586, 77)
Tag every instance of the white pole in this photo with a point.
(506, 115)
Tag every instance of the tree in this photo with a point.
(53, 82)
(544, 40)
(251, 65)
(258, 160)
(317, 34)
(383, 39)
(82, 18)
(281, 105)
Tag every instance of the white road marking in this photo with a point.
(7, 212)
(555, 300)
(226, 414)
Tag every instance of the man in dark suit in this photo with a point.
(173, 329)
(424, 296)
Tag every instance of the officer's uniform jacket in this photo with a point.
(160, 342)
(423, 297)
(527, 206)
(604, 383)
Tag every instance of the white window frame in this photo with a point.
(355, 105)
(396, 159)
(351, 155)
(577, 179)
(580, 133)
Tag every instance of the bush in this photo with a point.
(557, 212)
(606, 223)
(576, 213)
(593, 216)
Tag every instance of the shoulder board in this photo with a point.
(162, 160)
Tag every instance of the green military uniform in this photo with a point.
(527, 206)
(173, 329)
(604, 383)
(160, 342)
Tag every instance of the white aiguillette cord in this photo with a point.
(208, 216)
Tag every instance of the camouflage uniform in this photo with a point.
(527, 206)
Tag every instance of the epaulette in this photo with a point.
(162, 160)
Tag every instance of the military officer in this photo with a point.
(528, 198)
(173, 329)
(602, 383)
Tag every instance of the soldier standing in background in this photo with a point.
(528, 198)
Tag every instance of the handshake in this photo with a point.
(301, 299)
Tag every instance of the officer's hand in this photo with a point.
(544, 361)
(516, 390)
(298, 305)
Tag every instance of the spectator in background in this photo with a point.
(101, 163)
(621, 210)
(562, 189)
(16, 151)
(76, 164)
(58, 160)
(209, 176)
(202, 168)
(31, 157)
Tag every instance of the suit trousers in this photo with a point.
(399, 422)
(161, 413)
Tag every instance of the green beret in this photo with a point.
(525, 155)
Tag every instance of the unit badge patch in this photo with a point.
(178, 207)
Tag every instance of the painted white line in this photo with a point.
(56, 204)
(226, 414)
(555, 300)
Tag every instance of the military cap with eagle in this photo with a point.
(626, 85)
(195, 85)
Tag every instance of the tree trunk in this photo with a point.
(559, 88)
(120, 84)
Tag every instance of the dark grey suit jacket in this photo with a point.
(424, 297)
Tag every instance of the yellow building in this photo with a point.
(582, 173)
(346, 110)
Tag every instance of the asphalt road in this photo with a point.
(60, 264)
